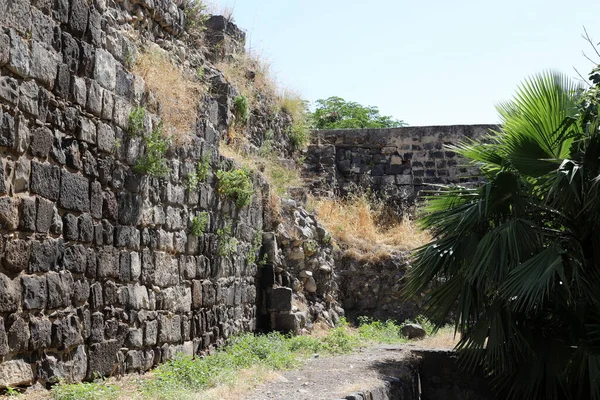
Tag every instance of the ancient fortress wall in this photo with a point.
(99, 272)
(397, 162)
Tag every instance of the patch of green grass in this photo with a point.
(85, 391)
(236, 185)
(199, 224)
(299, 135)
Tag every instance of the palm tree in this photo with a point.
(517, 260)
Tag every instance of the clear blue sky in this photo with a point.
(434, 62)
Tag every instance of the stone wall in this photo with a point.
(373, 287)
(396, 162)
(99, 272)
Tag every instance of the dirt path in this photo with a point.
(327, 378)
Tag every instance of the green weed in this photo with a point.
(227, 243)
(199, 224)
(154, 162)
(84, 391)
(240, 105)
(137, 115)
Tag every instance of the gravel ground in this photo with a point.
(327, 378)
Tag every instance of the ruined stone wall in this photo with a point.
(99, 272)
(397, 162)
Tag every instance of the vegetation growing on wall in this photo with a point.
(177, 93)
(154, 162)
(235, 185)
(517, 258)
(337, 113)
(199, 224)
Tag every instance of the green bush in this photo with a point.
(235, 185)
(199, 224)
(299, 135)
(136, 120)
(227, 243)
(154, 162)
(240, 105)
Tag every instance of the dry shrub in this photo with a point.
(251, 75)
(279, 176)
(355, 223)
(177, 93)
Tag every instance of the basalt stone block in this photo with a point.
(106, 137)
(62, 86)
(86, 130)
(27, 215)
(124, 83)
(279, 299)
(15, 373)
(137, 297)
(9, 90)
(60, 288)
(66, 332)
(108, 105)
(111, 296)
(102, 358)
(127, 236)
(4, 49)
(45, 211)
(94, 97)
(70, 227)
(44, 255)
(74, 192)
(20, 60)
(91, 263)
(105, 71)
(41, 333)
(75, 259)
(16, 255)
(108, 265)
(7, 130)
(18, 334)
(209, 294)
(45, 105)
(43, 28)
(70, 52)
(10, 294)
(90, 165)
(96, 297)
(87, 59)
(9, 216)
(3, 339)
(81, 292)
(34, 292)
(166, 270)
(94, 32)
(44, 65)
(16, 14)
(130, 208)
(45, 180)
(78, 17)
(41, 142)
(107, 232)
(86, 228)
(29, 98)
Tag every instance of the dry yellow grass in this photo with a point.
(355, 225)
(177, 93)
(443, 339)
(251, 75)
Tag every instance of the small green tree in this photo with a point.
(337, 113)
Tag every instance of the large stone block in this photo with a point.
(27, 215)
(60, 289)
(86, 130)
(10, 294)
(127, 236)
(138, 297)
(20, 60)
(34, 292)
(130, 208)
(75, 259)
(102, 358)
(9, 90)
(15, 373)
(105, 71)
(7, 130)
(16, 255)
(66, 332)
(9, 216)
(108, 265)
(78, 17)
(74, 192)
(29, 98)
(4, 49)
(44, 65)
(166, 269)
(41, 333)
(45, 180)
(94, 97)
(45, 212)
(106, 137)
(41, 142)
(16, 14)
(18, 334)
(44, 255)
